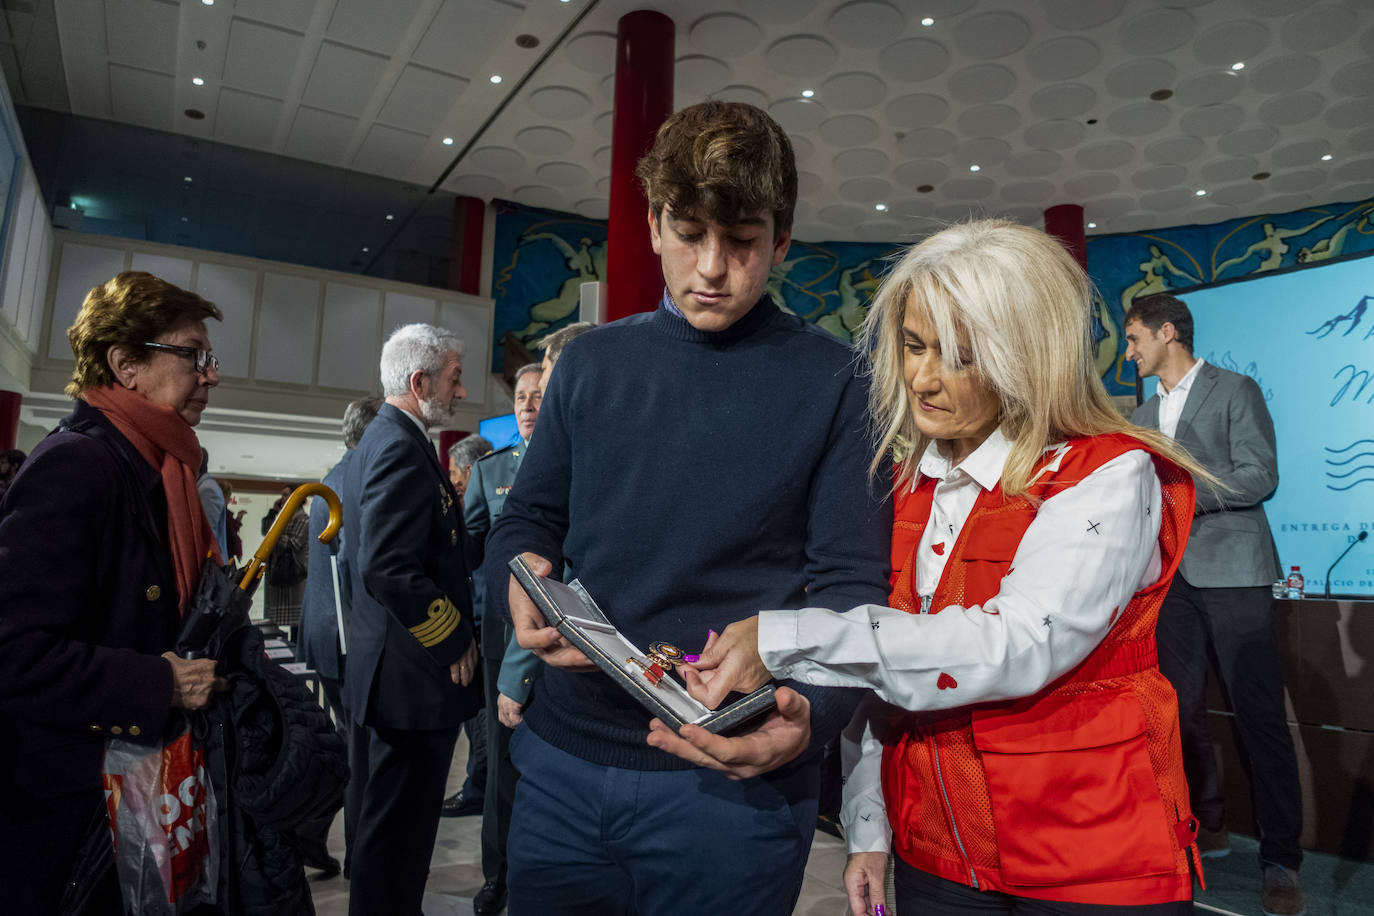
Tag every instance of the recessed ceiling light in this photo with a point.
(927, 22)
(807, 93)
(187, 179)
(210, 3)
(1238, 65)
(448, 141)
(1326, 158)
(389, 217)
(975, 168)
(197, 81)
(496, 78)
(880, 207)
(1092, 225)
(366, 249)
(1199, 193)
(186, 219)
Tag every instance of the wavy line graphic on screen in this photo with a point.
(1355, 316)
(1352, 465)
(1356, 375)
(1227, 361)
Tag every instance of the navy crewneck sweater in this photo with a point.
(691, 479)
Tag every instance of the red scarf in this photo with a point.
(170, 447)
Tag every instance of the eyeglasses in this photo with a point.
(204, 359)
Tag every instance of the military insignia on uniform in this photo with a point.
(441, 620)
(445, 500)
(502, 491)
(453, 537)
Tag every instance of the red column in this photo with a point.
(9, 419)
(448, 438)
(643, 99)
(1065, 222)
(465, 270)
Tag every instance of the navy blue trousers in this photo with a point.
(591, 839)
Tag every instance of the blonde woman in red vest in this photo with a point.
(1025, 756)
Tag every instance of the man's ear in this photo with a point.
(419, 384)
(1168, 332)
(122, 364)
(780, 246)
(655, 227)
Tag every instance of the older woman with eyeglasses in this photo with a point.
(102, 539)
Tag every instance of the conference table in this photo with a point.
(1328, 660)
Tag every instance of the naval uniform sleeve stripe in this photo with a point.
(442, 621)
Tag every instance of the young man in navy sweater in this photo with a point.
(691, 465)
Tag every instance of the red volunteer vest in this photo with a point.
(1077, 793)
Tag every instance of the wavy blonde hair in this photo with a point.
(1021, 309)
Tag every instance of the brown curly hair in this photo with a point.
(721, 161)
(132, 308)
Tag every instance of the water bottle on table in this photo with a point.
(1295, 583)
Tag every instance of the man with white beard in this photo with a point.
(410, 680)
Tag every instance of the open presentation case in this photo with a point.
(576, 615)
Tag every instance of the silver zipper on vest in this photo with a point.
(925, 603)
(949, 810)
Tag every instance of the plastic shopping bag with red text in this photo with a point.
(164, 821)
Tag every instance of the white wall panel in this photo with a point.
(401, 309)
(473, 325)
(17, 254)
(176, 271)
(83, 267)
(287, 318)
(44, 267)
(234, 290)
(349, 347)
(35, 268)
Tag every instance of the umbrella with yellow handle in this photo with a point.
(224, 595)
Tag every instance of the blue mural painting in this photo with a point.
(1126, 267)
(542, 257)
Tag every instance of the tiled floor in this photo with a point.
(1334, 886)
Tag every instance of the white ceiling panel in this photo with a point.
(142, 34)
(245, 119)
(290, 14)
(260, 58)
(371, 25)
(420, 99)
(464, 33)
(388, 150)
(343, 79)
(141, 97)
(320, 136)
(1050, 90)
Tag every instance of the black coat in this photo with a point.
(87, 604)
(407, 591)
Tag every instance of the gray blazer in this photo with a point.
(1227, 429)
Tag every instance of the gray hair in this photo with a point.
(412, 348)
(356, 417)
(553, 344)
(467, 450)
(526, 370)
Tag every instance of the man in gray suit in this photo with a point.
(1220, 597)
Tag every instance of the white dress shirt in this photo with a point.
(1086, 552)
(1171, 401)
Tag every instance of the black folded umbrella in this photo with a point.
(224, 595)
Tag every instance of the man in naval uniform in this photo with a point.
(491, 481)
(412, 656)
